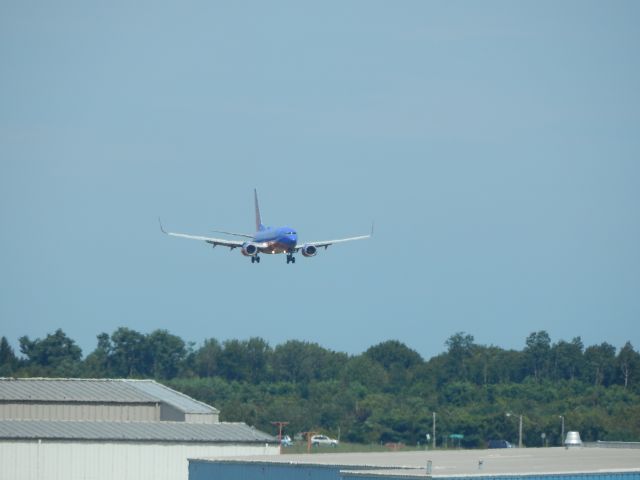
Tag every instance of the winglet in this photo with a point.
(372, 223)
(161, 229)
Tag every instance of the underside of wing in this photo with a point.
(326, 243)
(213, 241)
(223, 242)
(235, 234)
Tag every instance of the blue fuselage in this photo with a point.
(277, 239)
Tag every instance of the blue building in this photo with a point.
(529, 464)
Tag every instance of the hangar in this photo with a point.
(54, 429)
(115, 400)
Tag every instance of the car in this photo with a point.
(499, 444)
(286, 441)
(317, 440)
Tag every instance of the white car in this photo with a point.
(323, 440)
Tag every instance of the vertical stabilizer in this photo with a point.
(258, 219)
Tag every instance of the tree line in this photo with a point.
(386, 394)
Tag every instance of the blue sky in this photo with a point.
(496, 145)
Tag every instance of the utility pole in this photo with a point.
(562, 430)
(509, 414)
(520, 433)
(434, 430)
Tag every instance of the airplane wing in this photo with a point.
(245, 235)
(326, 243)
(213, 241)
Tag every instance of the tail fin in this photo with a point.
(259, 225)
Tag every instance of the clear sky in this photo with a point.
(496, 145)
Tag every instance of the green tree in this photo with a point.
(600, 363)
(98, 363)
(8, 359)
(130, 354)
(460, 349)
(398, 360)
(393, 352)
(57, 353)
(384, 394)
(301, 362)
(234, 360)
(537, 353)
(258, 358)
(363, 370)
(492, 365)
(628, 361)
(245, 360)
(167, 353)
(567, 359)
(207, 358)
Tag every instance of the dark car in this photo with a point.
(499, 444)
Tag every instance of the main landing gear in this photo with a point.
(290, 258)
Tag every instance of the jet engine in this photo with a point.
(249, 249)
(308, 251)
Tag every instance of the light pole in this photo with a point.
(561, 430)
(434, 430)
(520, 433)
(519, 429)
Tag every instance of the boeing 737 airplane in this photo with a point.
(268, 240)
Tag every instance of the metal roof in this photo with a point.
(179, 400)
(132, 431)
(454, 463)
(97, 391)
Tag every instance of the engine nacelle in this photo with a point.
(249, 249)
(309, 251)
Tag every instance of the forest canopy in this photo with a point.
(386, 394)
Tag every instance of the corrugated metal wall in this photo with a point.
(79, 411)
(100, 412)
(208, 418)
(108, 461)
(170, 413)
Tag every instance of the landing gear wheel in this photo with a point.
(255, 259)
(290, 258)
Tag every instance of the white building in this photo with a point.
(107, 429)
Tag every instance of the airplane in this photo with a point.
(268, 240)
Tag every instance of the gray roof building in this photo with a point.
(99, 400)
(554, 463)
(55, 429)
(172, 432)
